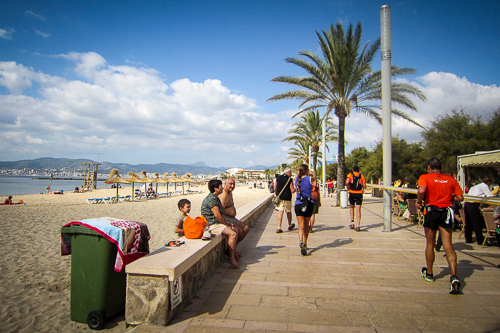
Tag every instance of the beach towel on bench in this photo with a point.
(131, 238)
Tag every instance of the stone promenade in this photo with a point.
(350, 281)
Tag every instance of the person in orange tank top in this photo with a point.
(439, 191)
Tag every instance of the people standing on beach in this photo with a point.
(8, 201)
(304, 204)
(213, 211)
(356, 184)
(48, 189)
(284, 189)
(439, 191)
(472, 211)
(226, 197)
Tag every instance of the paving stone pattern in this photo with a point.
(350, 281)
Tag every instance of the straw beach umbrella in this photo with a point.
(133, 179)
(157, 180)
(114, 177)
(174, 180)
(166, 180)
(145, 179)
(186, 179)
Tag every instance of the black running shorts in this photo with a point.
(436, 218)
(356, 198)
(307, 213)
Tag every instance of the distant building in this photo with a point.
(234, 171)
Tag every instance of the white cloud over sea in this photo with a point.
(130, 114)
(127, 111)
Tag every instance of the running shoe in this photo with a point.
(303, 249)
(351, 226)
(454, 285)
(358, 228)
(427, 277)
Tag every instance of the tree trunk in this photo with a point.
(341, 159)
(315, 160)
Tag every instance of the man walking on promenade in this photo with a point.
(474, 221)
(329, 185)
(439, 191)
(356, 184)
(284, 189)
(226, 198)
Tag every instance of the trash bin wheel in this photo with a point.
(95, 320)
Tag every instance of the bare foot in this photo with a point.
(237, 255)
(234, 265)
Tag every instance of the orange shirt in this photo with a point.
(440, 189)
(361, 181)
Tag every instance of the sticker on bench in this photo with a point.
(175, 292)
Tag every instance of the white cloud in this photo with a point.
(6, 34)
(130, 114)
(41, 33)
(129, 111)
(33, 14)
(444, 92)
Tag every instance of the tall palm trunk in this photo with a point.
(315, 160)
(341, 159)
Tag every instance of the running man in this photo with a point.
(439, 191)
(356, 184)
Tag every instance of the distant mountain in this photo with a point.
(76, 165)
(202, 164)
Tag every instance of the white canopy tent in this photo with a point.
(479, 159)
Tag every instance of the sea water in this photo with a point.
(19, 185)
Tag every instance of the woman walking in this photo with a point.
(304, 205)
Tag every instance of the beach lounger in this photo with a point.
(95, 201)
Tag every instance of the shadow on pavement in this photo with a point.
(334, 244)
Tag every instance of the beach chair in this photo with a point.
(489, 220)
(412, 208)
(125, 198)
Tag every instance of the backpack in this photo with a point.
(356, 185)
(193, 228)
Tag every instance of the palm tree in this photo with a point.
(300, 151)
(342, 80)
(309, 133)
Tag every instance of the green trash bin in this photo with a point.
(97, 290)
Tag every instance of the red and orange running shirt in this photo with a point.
(361, 181)
(440, 189)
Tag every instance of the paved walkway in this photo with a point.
(366, 281)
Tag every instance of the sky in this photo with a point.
(188, 81)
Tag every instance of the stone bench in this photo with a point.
(153, 280)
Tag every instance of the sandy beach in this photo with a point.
(35, 278)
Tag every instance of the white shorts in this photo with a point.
(217, 228)
(285, 205)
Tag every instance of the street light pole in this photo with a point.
(385, 29)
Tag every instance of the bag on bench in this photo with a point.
(193, 228)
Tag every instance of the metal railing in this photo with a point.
(471, 198)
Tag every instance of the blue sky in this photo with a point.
(187, 81)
